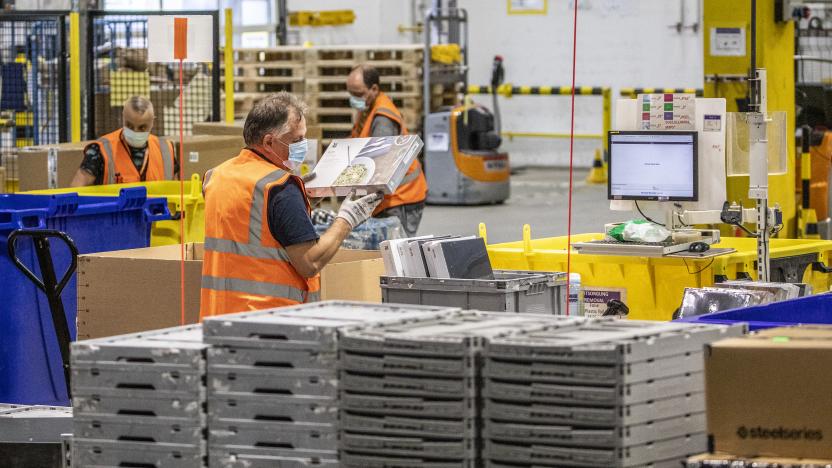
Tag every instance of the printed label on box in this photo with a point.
(596, 299)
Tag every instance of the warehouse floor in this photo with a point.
(539, 198)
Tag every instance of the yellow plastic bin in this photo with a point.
(163, 232)
(654, 286)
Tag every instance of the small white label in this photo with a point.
(728, 42)
(438, 142)
(193, 156)
(52, 168)
(712, 123)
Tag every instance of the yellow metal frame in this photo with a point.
(508, 90)
(775, 53)
(229, 68)
(512, 11)
(75, 76)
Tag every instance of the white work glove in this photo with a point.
(357, 210)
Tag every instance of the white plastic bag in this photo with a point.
(645, 232)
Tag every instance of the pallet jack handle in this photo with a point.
(49, 284)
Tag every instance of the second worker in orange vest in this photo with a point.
(378, 117)
(261, 250)
(129, 154)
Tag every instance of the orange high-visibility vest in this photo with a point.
(244, 267)
(119, 167)
(414, 186)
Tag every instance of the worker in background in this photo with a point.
(261, 249)
(379, 117)
(129, 154)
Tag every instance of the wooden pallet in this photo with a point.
(338, 68)
(274, 54)
(389, 84)
(328, 117)
(411, 53)
(329, 99)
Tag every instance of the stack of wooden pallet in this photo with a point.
(319, 74)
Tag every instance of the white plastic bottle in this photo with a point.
(575, 297)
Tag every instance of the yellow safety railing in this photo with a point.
(229, 68)
(508, 90)
(75, 76)
(633, 92)
(598, 173)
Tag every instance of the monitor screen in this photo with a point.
(650, 165)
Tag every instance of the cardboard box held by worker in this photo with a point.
(135, 290)
(768, 394)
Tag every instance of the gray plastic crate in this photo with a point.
(232, 458)
(531, 292)
(34, 424)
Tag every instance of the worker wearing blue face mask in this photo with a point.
(378, 116)
(129, 154)
(261, 249)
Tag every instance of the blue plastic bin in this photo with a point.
(805, 310)
(30, 361)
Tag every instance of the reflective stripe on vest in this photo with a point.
(245, 250)
(254, 287)
(108, 153)
(167, 159)
(255, 224)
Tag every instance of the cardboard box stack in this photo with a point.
(273, 382)
(111, 304)
(410, 390)
(768, 398)
(139, 400)
(611, 393)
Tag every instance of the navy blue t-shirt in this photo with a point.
(289, 221)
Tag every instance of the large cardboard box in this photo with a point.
(353, 275)
(204, 152)
(769, 395)
(129, 291)
(135, 290)
(219, 128)
(35, 170)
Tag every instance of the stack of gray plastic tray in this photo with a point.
(31, 436)
(612, 393)
(273, 381)
(139, 400)
(410, 390)
(34, 424)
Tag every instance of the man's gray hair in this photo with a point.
(274, 113)
(139, 104)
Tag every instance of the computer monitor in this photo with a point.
(653, 165)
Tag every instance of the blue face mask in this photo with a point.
(297, 154)
(358, 103)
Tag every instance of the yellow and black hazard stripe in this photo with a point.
(509, 90)
(633, 92)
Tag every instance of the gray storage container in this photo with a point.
(534, 292)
